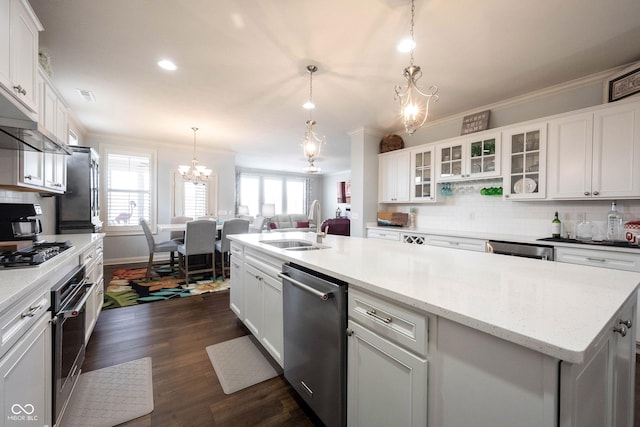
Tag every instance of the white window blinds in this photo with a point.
(129, 189)
(195, 199)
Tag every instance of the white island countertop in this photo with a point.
(555, 308)
(16, 283)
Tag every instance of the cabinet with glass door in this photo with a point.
(423, 175)
(525, 171)
(469, 157)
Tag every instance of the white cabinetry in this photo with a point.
(237, 277)
(92, 259)
(599, 392)
(262, 301)
(466, 243)
(393, 177)
(19, 29)
(386, 363)
(375, 233)
(596, 154)
(423, 175)
(469, 157)
(525, 161)
(25, 362)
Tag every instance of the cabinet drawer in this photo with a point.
(606, 259)
(458, 243)
(21, 317)
(394, 322)
(380, 234)
(237, 251)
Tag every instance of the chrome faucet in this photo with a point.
(315, 214)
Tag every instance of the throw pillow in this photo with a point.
(303, 224)
(272, 225)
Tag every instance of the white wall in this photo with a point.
(330, 195)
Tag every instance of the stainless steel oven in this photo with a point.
(68, 300)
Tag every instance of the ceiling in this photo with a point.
(242, 78)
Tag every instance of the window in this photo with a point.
(129, 180)
(288, 193)
(194, 200)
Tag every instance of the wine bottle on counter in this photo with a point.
(614, 224)
(556, 225)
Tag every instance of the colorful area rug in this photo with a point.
(129, 287)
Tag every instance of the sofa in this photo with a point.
(292, 222)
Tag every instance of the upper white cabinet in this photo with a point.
(19, 29)
(53, 111)
(469, 157)
(423, 175)
(525, 161)
(393, 177)
(596, 154)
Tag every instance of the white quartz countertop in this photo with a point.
(16, 283)
(555, 308)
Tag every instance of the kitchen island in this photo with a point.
(508, 341)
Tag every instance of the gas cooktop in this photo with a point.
(34, 255)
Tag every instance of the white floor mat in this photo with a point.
(110, 396)
(239, 364)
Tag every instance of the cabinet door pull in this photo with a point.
(622, 330)
(375, 315)
(586, 193)
(595, 193)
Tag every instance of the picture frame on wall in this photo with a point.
(623, 84)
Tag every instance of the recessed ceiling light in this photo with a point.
(167, 65)
(406, 45)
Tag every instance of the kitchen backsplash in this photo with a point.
(48, 205)
(492, 214)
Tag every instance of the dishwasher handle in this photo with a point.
(323, 295)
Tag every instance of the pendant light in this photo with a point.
(311, 144)
(414, 103)
(194, 173)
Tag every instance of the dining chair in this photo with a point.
(230, 226)
(199, 239)
(166, 246)
(258, 224)
(178, 236)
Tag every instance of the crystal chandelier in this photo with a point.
(312, 144)
(194, 173)
(414, 103)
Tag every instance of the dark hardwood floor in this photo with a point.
(186, 391)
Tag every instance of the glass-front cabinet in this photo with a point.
(423, 175)
(469, 157)
(525, 172)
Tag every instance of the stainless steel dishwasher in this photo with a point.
(527, 250)
(315, 340)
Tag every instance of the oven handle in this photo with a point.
(75, 311)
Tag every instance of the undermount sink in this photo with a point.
(294, 244)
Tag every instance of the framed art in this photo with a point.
(623, 84)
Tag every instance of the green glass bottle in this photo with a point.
(555, 226)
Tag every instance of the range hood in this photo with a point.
(29, 136)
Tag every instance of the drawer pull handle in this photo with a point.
(596, 259)
(31, 312)
(626, 323)
(375, 315)
(622, 330)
